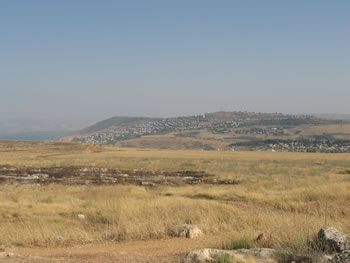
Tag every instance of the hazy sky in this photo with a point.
(65, 59)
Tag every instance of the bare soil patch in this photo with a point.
(74, 175)
(171, 250)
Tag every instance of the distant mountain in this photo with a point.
(207, 131)
(332, 115)
(222, 131)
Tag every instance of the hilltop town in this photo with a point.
(222, 131)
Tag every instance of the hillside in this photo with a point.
(115, 122)
(223, 131)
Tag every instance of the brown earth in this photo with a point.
(74, 175)
(170, 250)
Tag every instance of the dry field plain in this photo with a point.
(288, 196)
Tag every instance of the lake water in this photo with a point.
(34, 136)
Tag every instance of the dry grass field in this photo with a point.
(288, 196)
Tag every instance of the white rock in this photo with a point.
(188, 231)
(334, 239)
(256, 255)
(40, 175)
(81, 216)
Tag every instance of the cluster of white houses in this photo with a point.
(221, 122)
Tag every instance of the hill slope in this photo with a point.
(114, 121)
(224, 131)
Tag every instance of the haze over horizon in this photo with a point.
(92, 60)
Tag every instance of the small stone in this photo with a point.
(188, 231)
(81, 216)
(264, 240)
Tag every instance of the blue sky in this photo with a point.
(97, 59)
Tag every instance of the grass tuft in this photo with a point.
(224, 258)
(243, 242)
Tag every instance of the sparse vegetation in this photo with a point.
(283, 194)
(187, 134)
(243, 242)
(222, 259)
(306, 251)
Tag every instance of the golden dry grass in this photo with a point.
(288, 195)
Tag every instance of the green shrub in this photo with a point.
(305, 252)
(239, 243)
(222, 259)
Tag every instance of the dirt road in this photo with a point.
(171, 250)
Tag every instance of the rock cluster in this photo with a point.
(334, 244)
(75, 175)
(187, 231)
(257, 255)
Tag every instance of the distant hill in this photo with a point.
(222, 131)
(115, 121)
(332, 115)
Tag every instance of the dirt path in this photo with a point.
(171, 250)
